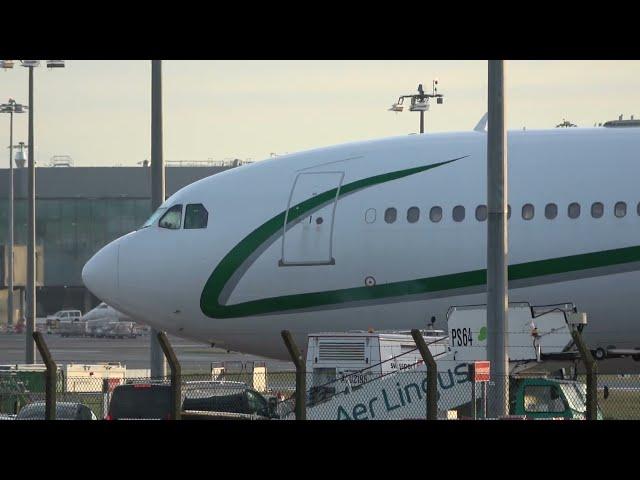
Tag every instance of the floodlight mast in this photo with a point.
(31, 238)
(11, 107)
(419, 102)
(30, 289)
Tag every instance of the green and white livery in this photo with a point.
(385, 234)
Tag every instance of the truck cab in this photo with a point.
(551, 398)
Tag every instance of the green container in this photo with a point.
(22, 384)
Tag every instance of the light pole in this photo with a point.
(157, 360)
(419, 102)
(11, 107)
(497, 242)
(30, 346)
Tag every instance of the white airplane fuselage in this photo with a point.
(308, 242)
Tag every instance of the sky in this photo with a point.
(99, 112)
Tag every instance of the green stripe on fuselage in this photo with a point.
(234, 260)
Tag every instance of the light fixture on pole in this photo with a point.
(30, 291)
(11, 107)
(419, 102)
(20, 159)
(55, 63)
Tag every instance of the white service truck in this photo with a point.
(381, 375)
(63, 316)
(72, 328)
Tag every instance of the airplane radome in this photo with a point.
(385, 234)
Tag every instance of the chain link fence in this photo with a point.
(356, 396)
(394, 389)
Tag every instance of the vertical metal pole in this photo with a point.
(591, 368)
(23, 302)
(473, 390)
(105, 397)
(432, 374)
(176, 375)
(30, 348)
(51, 379)
(158, 363)
(497, 242)
(10, 306)
(484, 400)
(421, 122)
(301, 380)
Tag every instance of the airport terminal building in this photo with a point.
(78, 211)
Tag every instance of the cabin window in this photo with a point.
(620, 209)
(435, 214)
(597, 210)
(551, 211)
(638, 209)
(458, 213)
(172, 219)
(195, 216)
(527, 211)
(413, 215)
(370, 215)
(573, 210)
(481, 213)
(390, 215)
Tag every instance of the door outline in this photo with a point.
(285, 227)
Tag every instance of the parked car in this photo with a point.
(63, 316)
(227, 397)
(64, 411)
(140, 401)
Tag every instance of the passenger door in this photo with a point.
(308, 225)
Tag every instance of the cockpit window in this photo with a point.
(172, 219)
(154, 216)
(195, 216)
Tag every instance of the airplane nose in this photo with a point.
(100, 273)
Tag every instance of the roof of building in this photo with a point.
(101, 182)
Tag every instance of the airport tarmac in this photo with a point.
(134, 353)
(197, 357)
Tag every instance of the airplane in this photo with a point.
(385, 234)
(104, 320)
(105, 313)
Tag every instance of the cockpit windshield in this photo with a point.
(155, 216)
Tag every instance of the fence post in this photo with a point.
(301, 381)
(176, 374)
(51, 376)
(432, 374)
(592, 370)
